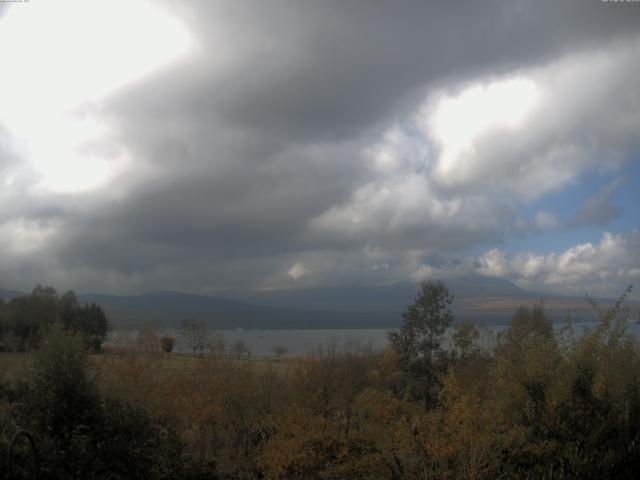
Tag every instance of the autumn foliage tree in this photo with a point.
(541, 402)
(82, 434)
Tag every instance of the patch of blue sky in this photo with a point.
(567, 203)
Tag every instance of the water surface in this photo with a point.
(302, 341)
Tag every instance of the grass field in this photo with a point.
(14, 366)
(17, 366)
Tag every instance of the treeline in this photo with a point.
(543, 403)
(24, 320)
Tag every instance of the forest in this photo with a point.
(541, 402)
(25, 319)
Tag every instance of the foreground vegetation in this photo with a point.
(541, 404)
(24, 320)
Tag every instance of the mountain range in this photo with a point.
(488, 300)
(9, 294)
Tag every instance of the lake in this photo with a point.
(303, 341)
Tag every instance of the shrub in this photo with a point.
(167, 343)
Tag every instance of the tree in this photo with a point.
(83, 435)
(45, 293)
(4, 328)
(217, 345)
(530, 321)
(279, 350)
(465, 338)
(239, 348)
(195, 334)
(418, 343)
(147, 339)
(93, 324)
(62, 403)
(27, 318)
(167, 343)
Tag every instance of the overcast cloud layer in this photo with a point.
(332, 143)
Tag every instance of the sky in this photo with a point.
(209, 146)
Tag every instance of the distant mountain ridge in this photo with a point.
(489, 300)
(171, 308)
(323, 307)
(389, 297)
(9, 294)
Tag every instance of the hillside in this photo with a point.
(393, 297)
(482, 299)
(487, 300)
(170, 308)
(9, 294)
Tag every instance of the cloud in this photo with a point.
(605, 268)
(535, 130)
(454, 172)
(598, 209)
(546, 220)
(304, 133)
(54, 85)
(297, 271)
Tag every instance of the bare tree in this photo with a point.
(195, 335)
(239, 348)
(279, 350)
(147, 340)
(217, 345)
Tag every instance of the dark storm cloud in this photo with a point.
(243, 147)
(317, 70)
(211, 211)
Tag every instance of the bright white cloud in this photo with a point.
(389, 206)
(493, 263)
(456, 123)
(60, 60)
(533, 130)
(604, 268)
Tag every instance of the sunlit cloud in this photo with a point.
(211, 145)
(600, 268)
(524, 133)
(457, 122)
(297, 271)
(60, 60)
(22, 237)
